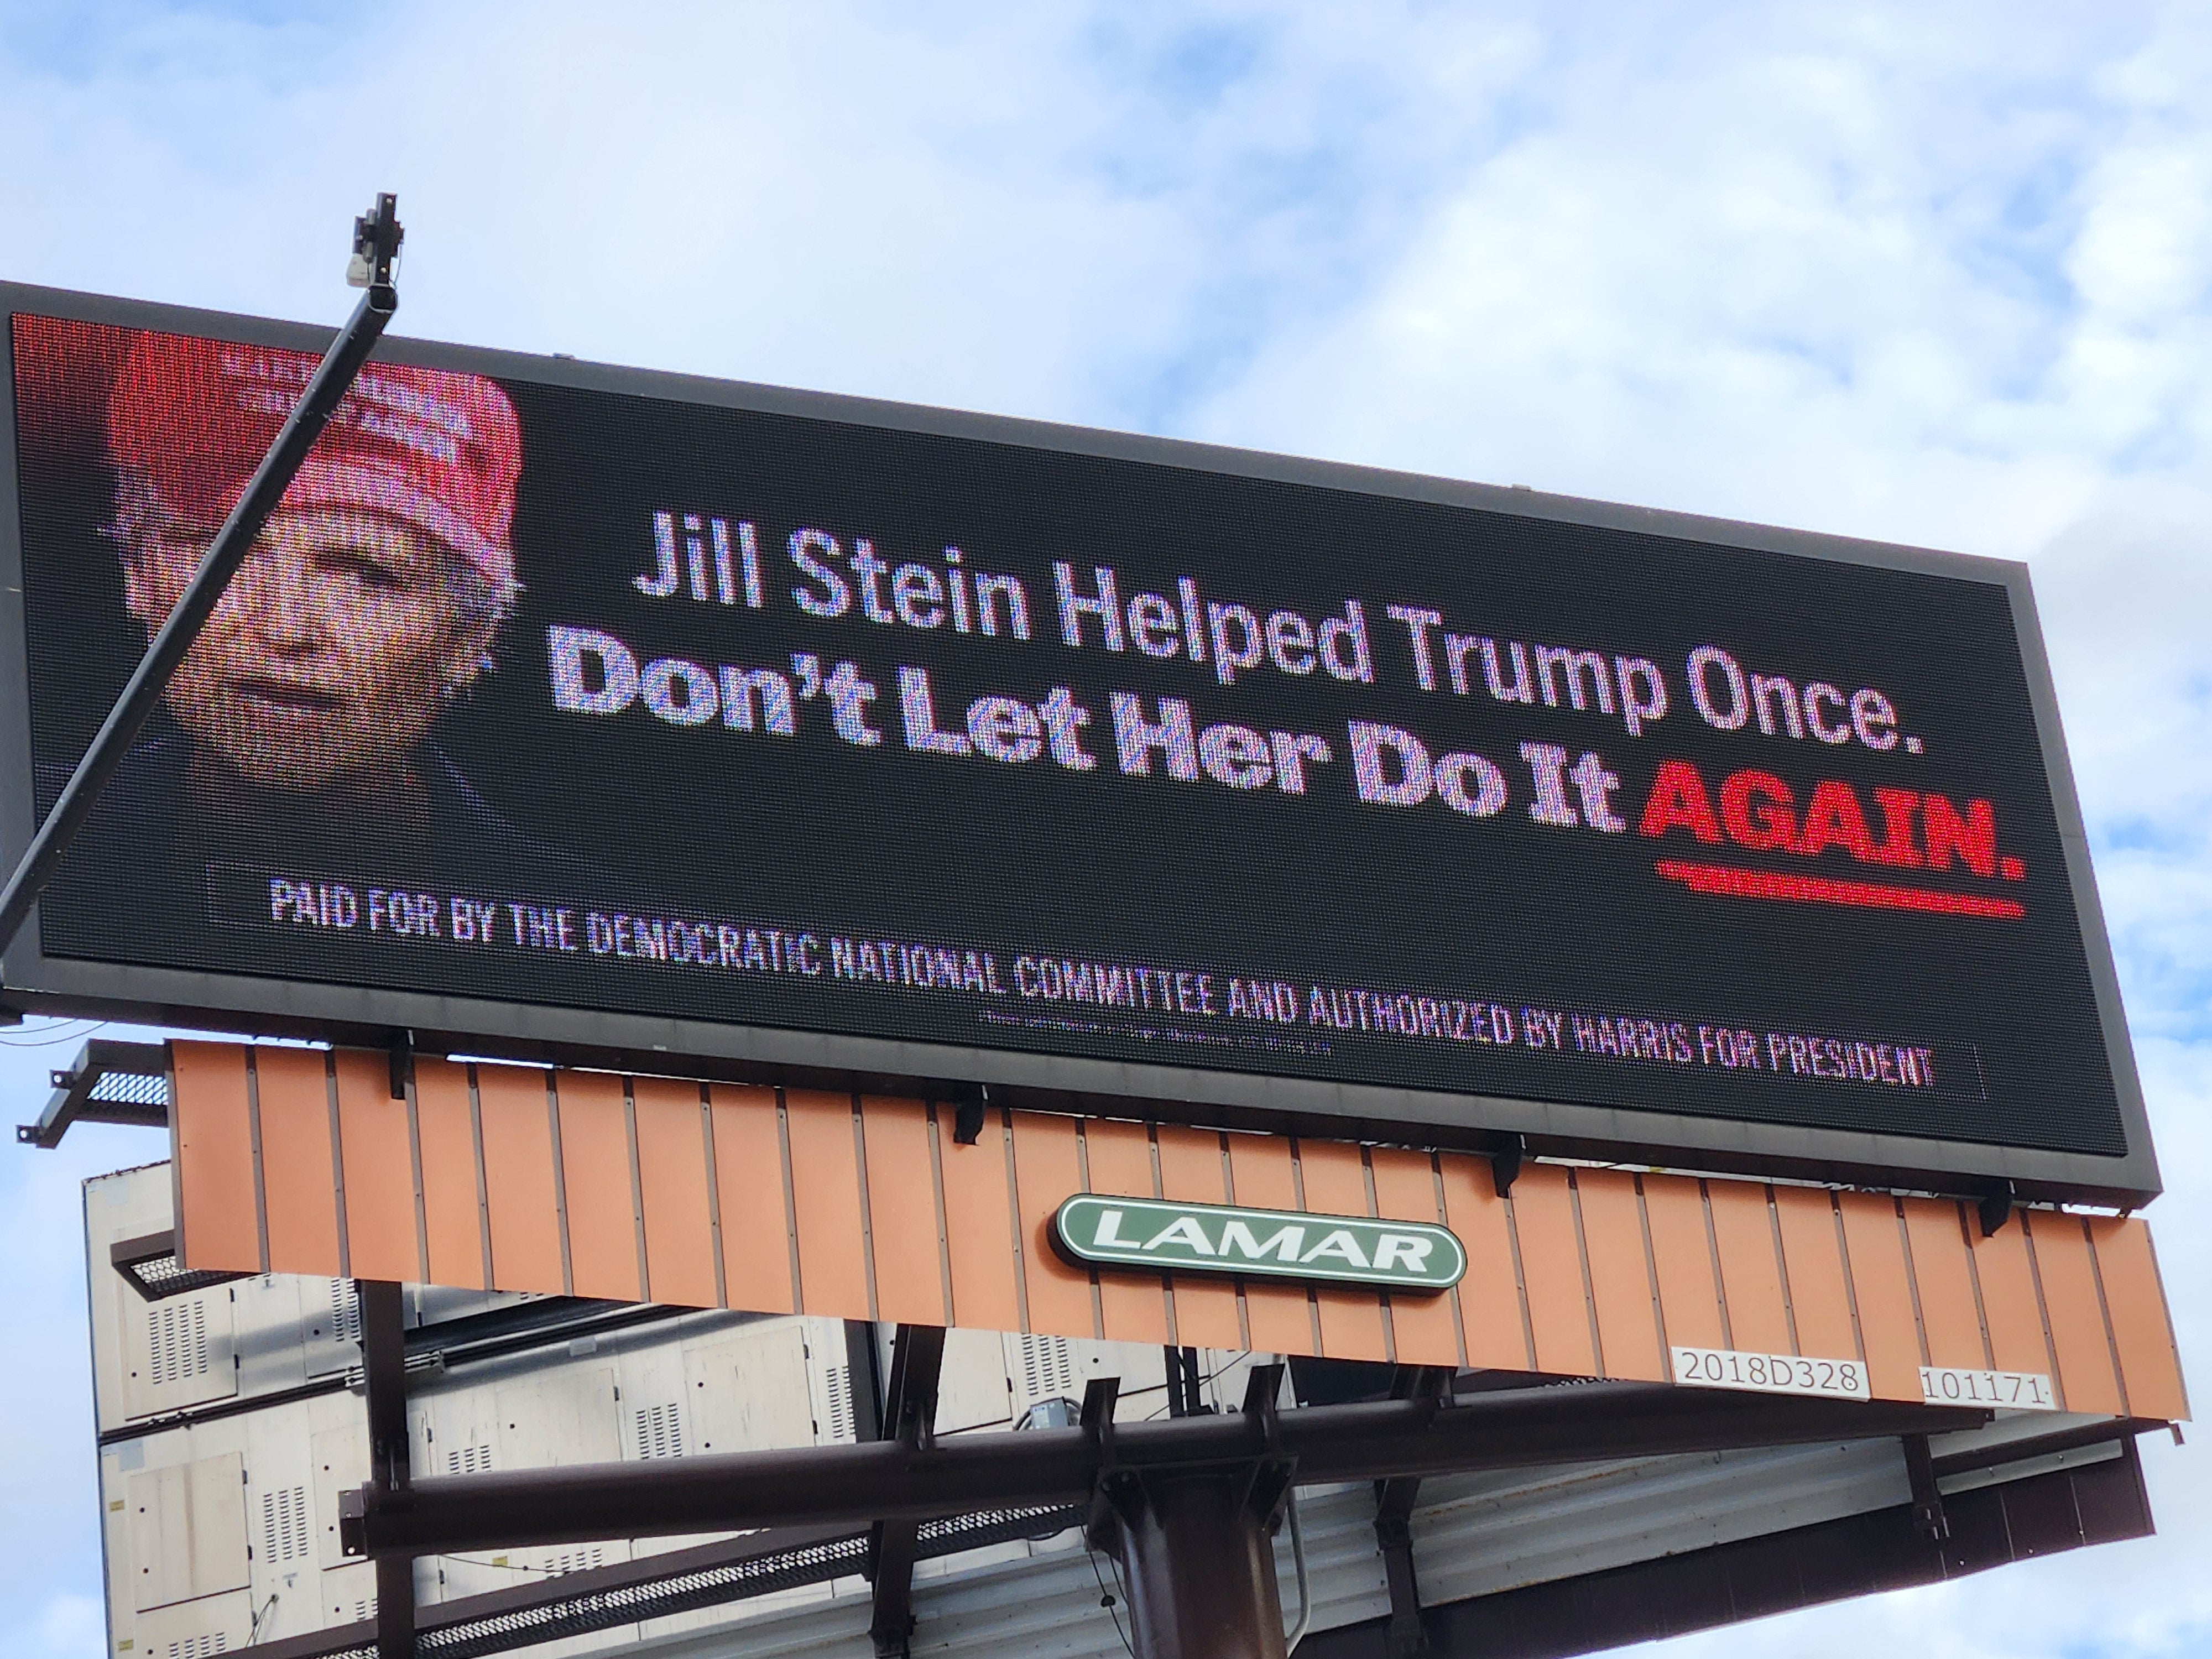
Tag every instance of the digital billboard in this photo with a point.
(565, 709)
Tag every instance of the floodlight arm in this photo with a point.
(377, 236)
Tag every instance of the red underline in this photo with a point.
(1821, 890)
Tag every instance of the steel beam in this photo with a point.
(1198, 1556)
(886, 1479)
(384, 1371)
(75, 1091)
(910, 1420)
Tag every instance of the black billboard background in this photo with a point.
(1319, 889)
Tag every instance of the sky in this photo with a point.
(1940, 276)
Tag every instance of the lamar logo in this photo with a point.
(1406, 1256)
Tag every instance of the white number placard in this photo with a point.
(1769, 1373)
(1954, 1385)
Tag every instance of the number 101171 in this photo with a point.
(1950, 1385)
(1769, 1373)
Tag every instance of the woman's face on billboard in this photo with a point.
(328, 658)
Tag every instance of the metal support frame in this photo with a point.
(111, 1082)
(1505, 1165)
(910, 1420)
(656, 1586)
(148, 1265)
(1394, 1511)
(1928, 1515)
(1193, 1537)
(1197, 1560)
(728, 1573)
(377, 236)
(886, 1479)
(384, 1371)
(969, 1102)
(1994, 1209)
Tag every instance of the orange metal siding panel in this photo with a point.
(903, 1212)
(1552, 1268)
(1406, 1190)
(518, 1188)
(1751, 1278)
(2077, 1320)
(1120, 1156)
(1884, 1295)
(595, 1182)
(749, 1180)
(1818, 1295)
(1620, 1278)
(1046, 1171)
(1336, 1184)
(380, 1170)
(1949, 1317)
(297, 1177)
(672, 1171)
(1190, 1171)
(220, 1221)
(1689, 1295)
(2014, 1316)
(2141, 1328)
(979, 1229)
(1279, 1316)
(825, 1189)
(453, 1220)
(1490, 1296)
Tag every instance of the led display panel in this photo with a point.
(598, 710)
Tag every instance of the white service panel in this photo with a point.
(348, 1595)
(746, 1389)
(192, 1630)
(971, 1389)
(557, 1418)
(176, 1353)
(187, 1530)
(329, 1325)
(829, 1381)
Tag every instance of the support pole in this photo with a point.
(910, 1417)
(1394, 1531)
(384, 1369)
(376, 245)
(1199, 1564)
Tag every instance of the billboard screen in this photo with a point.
(590, 709)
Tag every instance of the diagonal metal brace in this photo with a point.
(376, 245)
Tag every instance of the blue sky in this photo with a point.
(1943, 279)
